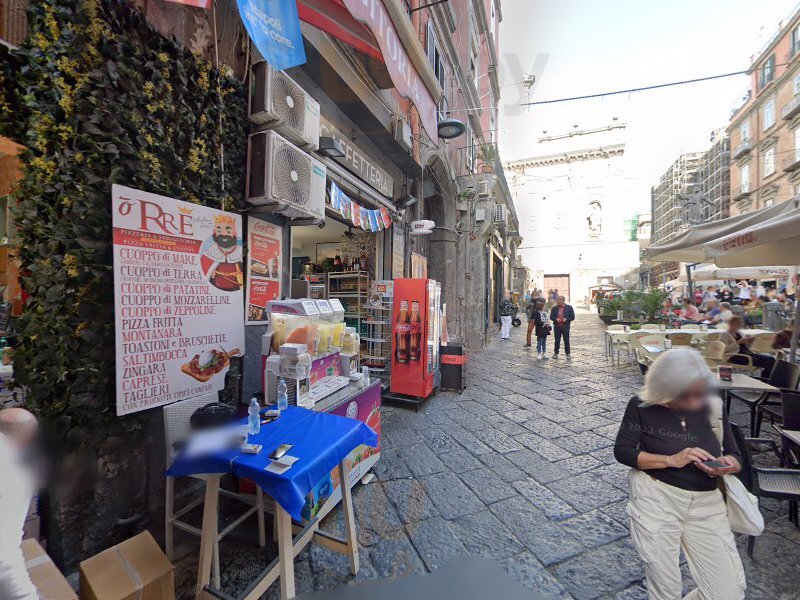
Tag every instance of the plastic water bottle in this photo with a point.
(283, 397)
(253, 417)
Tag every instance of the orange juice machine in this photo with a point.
(298, 346)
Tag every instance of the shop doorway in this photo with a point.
(557, 282)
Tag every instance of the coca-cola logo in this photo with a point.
(740, 239)
(403, 328)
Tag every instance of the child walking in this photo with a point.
(542, 327)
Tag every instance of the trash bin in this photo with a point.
(453, 360)
(773, 319)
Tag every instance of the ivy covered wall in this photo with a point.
(98, 97)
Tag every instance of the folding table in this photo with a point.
(321, 441)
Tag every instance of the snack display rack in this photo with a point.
(377, 343)
(352, 290)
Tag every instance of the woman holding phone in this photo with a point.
(667, 439)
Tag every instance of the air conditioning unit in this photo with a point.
(485, 188)
(280, 175)
(402, 133)
(480, 215)
(279, 103)
(500, 214)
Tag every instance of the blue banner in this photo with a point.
(274, 27)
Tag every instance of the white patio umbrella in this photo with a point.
(774, 241)
(687, 246)
(715, 273)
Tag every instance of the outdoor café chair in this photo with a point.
(631, 343)
(785, 376)
(644, 359)
(176, 431)
(780, 484)
(681, 339)
(762, 344)
(714, 352)
(653, 339)
(786, 412)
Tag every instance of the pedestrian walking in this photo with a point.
(674, 499)
(561, 315)
(541, 320)
(506, 310)
(529, 308)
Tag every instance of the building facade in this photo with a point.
(765, 129)
(575, 222)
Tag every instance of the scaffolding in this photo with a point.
(669, 207)
(716, 180)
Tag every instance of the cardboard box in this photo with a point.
(136, 569)
(49, 581)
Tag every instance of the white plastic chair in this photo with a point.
(176, 430)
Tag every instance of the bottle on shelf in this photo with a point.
(253, 416)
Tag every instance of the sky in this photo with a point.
(580, 47)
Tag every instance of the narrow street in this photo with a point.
(519, 468)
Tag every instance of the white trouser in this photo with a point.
(665, 519)
(505, 327)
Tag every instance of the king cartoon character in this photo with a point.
(221, 257)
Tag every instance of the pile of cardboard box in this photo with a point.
(134, 569)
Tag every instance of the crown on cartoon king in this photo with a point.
(222, 220)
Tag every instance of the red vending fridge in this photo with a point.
(415, 337)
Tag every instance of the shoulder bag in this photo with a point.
(743, 513)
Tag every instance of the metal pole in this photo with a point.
(796, 332)
(689, 282)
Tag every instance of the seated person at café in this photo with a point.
(725, 313)
(689, 311)
(783, 339)
(736, 343)
(711, 309)
(725, 294)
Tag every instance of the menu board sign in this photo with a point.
(263, 268)
(178, 298)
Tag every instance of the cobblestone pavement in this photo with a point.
(519, 468)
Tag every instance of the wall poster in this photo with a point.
(264, 268)
(178, 298)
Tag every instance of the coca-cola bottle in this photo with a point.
(403, 333)
(416, 332)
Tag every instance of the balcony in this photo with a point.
(742, 149)
(792, 163)
(740, 193)
(791, 109)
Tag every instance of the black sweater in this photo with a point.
(658, 430)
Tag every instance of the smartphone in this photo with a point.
(715, 464)
(280, 451)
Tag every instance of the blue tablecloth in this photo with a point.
(321, 441)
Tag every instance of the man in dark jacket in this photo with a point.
(561, 316)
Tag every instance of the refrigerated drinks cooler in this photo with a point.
(415, 337)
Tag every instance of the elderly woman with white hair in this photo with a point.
(667, 439)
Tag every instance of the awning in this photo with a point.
(774, 241)
(715, 273)
(333, 18)
(353, 186)
(688, 246)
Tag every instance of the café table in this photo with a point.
(742, 383)
(320, 441)
(790, 436)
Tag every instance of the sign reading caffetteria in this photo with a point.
(356, 161)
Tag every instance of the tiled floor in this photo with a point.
(519, 468)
